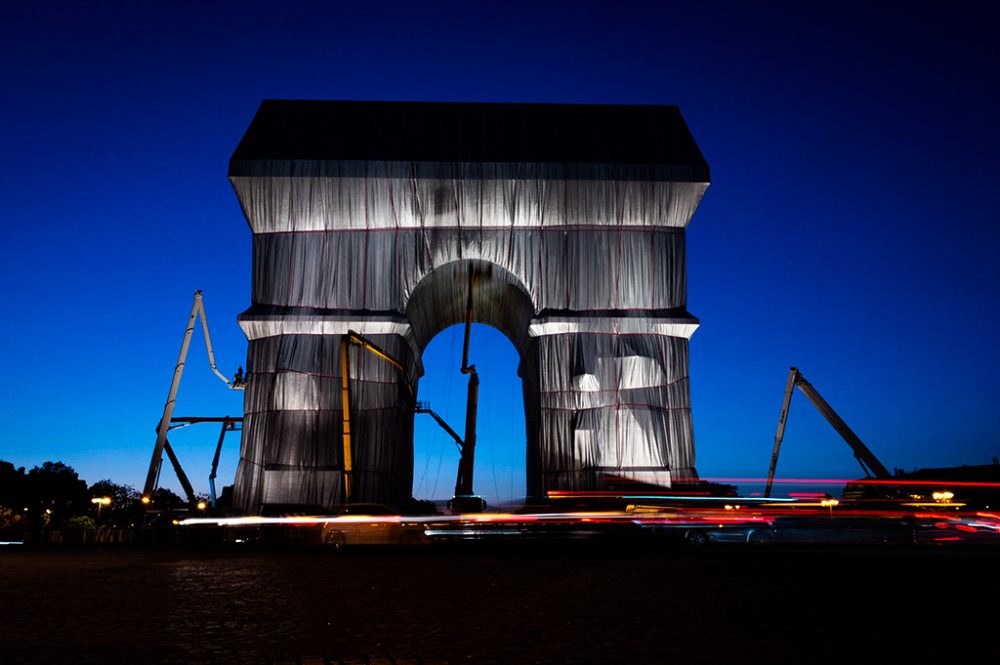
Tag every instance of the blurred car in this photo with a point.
(701, 527)
(808, 530)
(846, 530)
(755, 534)
(372, 524)
(968, 529)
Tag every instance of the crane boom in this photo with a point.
(424, 407)
(198, 308)
(352, 337)
(464, 499)
(866, 458)
(181, 476)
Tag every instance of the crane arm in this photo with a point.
(352, 337)
(869, 463)
(789, 389)
(227, 425)
(200, 304)
(466, 367)
(422, 407)
(467, 447)
(466, 463)
(198, 308)
(866, 458)
(181, 476)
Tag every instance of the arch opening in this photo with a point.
(500, 311)
(501, 447)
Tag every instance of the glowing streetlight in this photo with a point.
(202, 505)
(829, 503)
(101, 501)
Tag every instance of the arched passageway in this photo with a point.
(501, 440)
(496, 298)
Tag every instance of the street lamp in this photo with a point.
(829, 503)
(101, 501)
(943, 497)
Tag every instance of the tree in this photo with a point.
(13, 486)
(13, 496)
(11, 518)
(123, 508)
(165, 499)
(121, 495)
(55, 489)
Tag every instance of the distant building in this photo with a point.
(977, 485)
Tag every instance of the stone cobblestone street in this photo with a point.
(567, 604)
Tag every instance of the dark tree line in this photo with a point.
(53, 496)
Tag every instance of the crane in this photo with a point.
(870, 464)
(352, 337)
(425, 407)
(238, 383)
(465, 500)
(229, 424)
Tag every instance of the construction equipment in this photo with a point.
(228, 425)
(467, 502)
(238, 383)
(461, 503)
(353, 337)
(464, 501)
(870, 464)
(425, 407)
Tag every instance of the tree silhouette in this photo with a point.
(124, 506)
(13, 486)
(55, 493)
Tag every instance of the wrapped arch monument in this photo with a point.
(375, 217)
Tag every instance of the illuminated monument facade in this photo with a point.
(568, 222)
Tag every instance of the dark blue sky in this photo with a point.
(850, 228)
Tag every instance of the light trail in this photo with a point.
(942, 522)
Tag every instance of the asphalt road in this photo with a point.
(543, 603)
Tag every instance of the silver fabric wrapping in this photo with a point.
(585, 275)
(292, 450)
